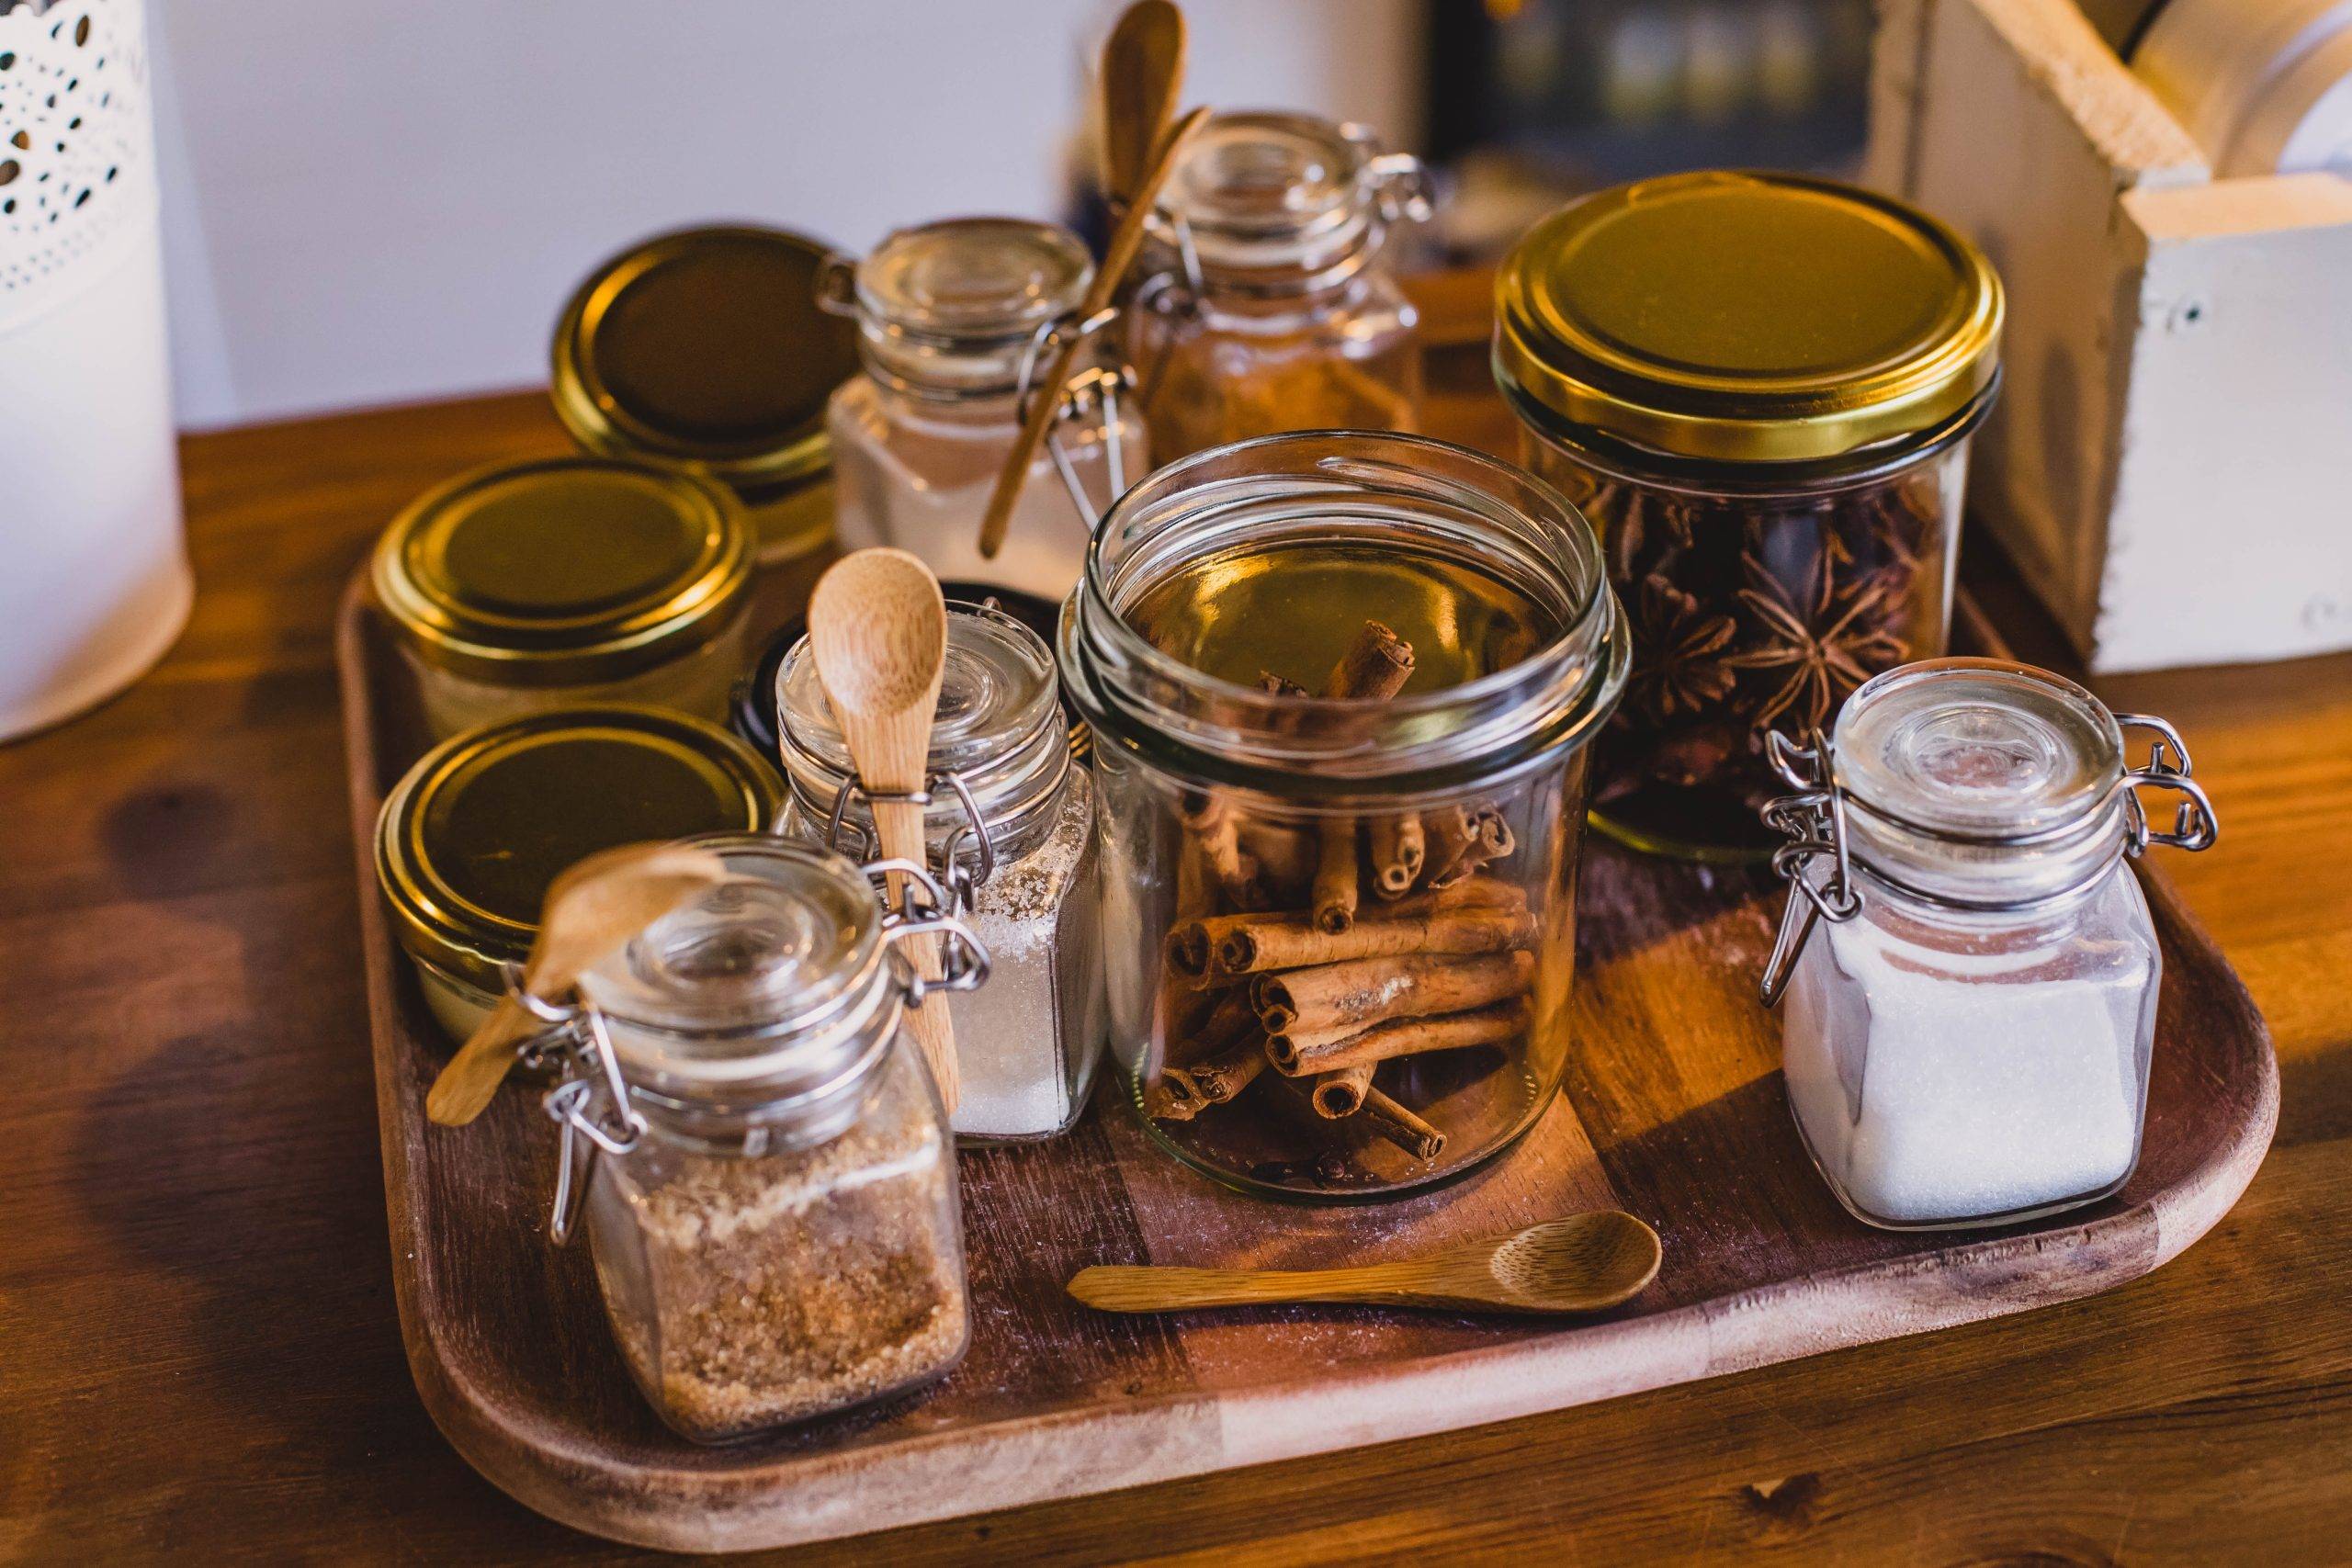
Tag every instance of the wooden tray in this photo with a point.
(1673, 1109)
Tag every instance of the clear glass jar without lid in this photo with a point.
(1760, 387)
(768, 1183)
(1010, 825)
(1274, 307)
(1341, 687)
(1967, 971)
(954, 320)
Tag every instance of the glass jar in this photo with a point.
(769, 1184)
(1273, 309)
(1340, 685)
(1009, 826)
(954, 319)
(468, 839)
(571, 580)
(704, 349)
(1760, 389)
(1969, 967)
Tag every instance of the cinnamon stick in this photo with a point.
(1401, 1127)
(1184, 1092)
(1294, 942)
(1487, 839)
(1341, 1093)
(1354, 996)
(1373, 669)
(1336, 884)
(1448, 831)
(1299, 1054)
(1398, 849)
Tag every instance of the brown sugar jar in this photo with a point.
(767, 1180)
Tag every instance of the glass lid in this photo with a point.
(568, 570)
(1977, 750)
(998, 726)
(706, 347)
(790, 941)
(1258, 188)
(1746, 317)
(470, 839)
(975, 277)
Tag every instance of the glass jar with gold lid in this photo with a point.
(572, 579)
(705, 349)
(1760, 387)
(468, 839)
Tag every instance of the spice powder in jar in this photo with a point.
(1760, 389)
(705, 349)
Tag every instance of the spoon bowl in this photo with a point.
(1581, 1263)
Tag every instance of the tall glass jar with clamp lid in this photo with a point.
(1010, 822)
(1966, 969)
(954, 320)
(1275, 307)
(767, 1181)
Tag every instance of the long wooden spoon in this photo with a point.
(1120, 254)
(590, 911)
(1143, 73)
(878, 629)
(1581, 1264)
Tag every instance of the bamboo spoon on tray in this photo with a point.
(878, 629)
(1120, 254)
(1583, 1263)
(590, 911)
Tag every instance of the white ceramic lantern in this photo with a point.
(93, 576)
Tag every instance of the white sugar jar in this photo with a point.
(1967, 971)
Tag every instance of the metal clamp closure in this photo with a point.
(2194, 825)
(961, 881)
(1814, 821)
(590, 1105)
(1093, 391)
(964, 963)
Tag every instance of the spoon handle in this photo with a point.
(1118, 1288)
(899, 827)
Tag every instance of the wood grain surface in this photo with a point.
(200, 1355)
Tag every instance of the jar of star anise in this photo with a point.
(1761, 389)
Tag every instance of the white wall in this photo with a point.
(369, 201)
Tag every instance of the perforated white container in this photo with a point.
(93, 576)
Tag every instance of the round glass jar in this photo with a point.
(1760, 389)
(1273, 308)
(573, 582)
(1339, 871)
(468, 839)
(769, 1184)
(953, 319)
(704, 349)
(1967, 970)
(1010, 829)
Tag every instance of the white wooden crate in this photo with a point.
(2171, 461)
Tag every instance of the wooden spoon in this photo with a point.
(1581, 1264)
(1120, 254)
(590, 911)
(1143, 71)
(878, 629)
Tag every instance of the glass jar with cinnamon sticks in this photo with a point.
(1341, 686)
(1760, 387)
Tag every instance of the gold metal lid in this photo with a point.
(468, 841)
(705, 348)
(1746, 317)
(564, 571)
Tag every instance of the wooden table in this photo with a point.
(199, 1353)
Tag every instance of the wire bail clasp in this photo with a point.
(1812, 819)
(1094, 391)
(964, 963)
(590, 1105)
(2194, 825)
(962, 882)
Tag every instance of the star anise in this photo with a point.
(1816, 644)
(1644, 527)
(1678, 663)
